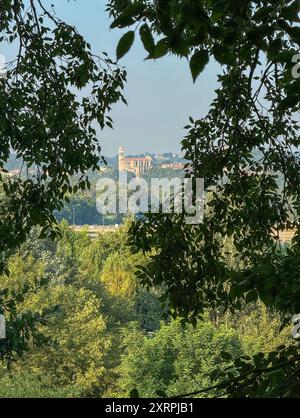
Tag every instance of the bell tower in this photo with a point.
(121, 158)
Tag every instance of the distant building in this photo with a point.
(173, 166)
(136, 166)
(105, 169)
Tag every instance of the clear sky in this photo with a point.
(161, 95)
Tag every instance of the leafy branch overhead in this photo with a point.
(44, 120)
(228, 30)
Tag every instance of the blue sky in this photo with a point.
(161, 95)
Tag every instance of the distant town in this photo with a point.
(138, 164)
(141, 164)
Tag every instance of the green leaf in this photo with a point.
(262, 13)
(274, 49)
(134, 394)
(294, 32)
(125, 44)
(223, 56)
(198, 63)
(126, 19)
(251, 296)
(160, 50)
(122, 22)
(225, 355)
(289, 102)
(147, 39)
(161, 394)
(291, 12)
(133, 10)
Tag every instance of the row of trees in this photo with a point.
(81, 208)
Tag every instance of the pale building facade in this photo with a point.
(136, 166)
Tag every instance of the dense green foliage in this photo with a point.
(90, 294)
(102, 334)
(29, 386)
(176, 360)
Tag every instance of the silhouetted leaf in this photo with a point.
(125, 44)
(198, 63)
(147, 39)
(134, 394)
